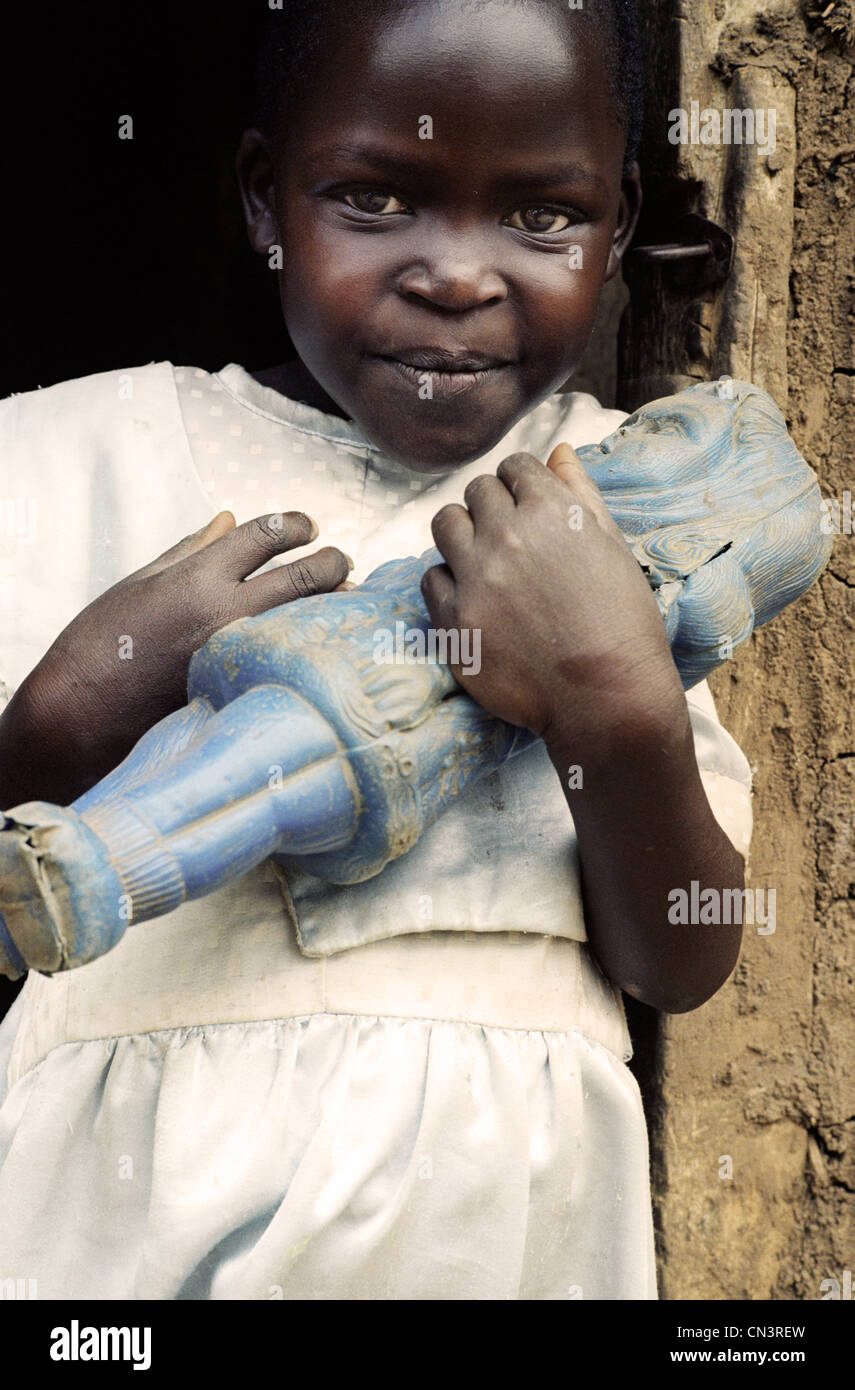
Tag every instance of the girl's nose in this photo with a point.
(453, 283)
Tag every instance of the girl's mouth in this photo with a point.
(425, 372)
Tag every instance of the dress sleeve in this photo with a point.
(724, 768)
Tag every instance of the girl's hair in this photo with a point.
(292, 37)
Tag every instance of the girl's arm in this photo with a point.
(573, 647)
(81, 709)
(645, 829)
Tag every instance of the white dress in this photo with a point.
(411, 1090)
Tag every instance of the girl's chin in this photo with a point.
(436, 459)
(437, 451)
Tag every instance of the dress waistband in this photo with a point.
(234, 957)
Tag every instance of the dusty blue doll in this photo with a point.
(297, 744)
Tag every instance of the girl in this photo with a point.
(435, 1104)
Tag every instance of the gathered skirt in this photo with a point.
(435, 1145)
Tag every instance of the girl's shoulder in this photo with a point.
(98, 382)
(567, 417)
(108, 452)
(119, 385)
(584, 414)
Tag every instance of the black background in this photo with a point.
(123, 252)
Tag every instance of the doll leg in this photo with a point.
(265, 772)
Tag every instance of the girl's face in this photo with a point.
(448, 199)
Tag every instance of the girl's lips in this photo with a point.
(442, 382)
(445, 359)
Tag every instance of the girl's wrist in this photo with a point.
(620, 727)
(39, 751)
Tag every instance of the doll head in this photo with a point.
(451, 182)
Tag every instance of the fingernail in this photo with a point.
(213, 522)
(563, 453)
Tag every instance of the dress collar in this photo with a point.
(347, 437)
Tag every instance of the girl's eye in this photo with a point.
(540, 220)
(374, 202)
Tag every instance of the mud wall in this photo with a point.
(752, 1098)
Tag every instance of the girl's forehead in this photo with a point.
(481, 47)
(503, 67)
(500, 31)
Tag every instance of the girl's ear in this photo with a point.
(631, 199)
(254, 169)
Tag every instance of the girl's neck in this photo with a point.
(293, 380)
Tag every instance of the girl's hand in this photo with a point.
(574, 648)
(571, 636)
(121, 665)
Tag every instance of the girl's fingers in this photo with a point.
(218, 526)
(488, 500)
(242, 549)
(321, 573)
(438, 589)
(522, 475)
(566, 465)
(453, 531)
